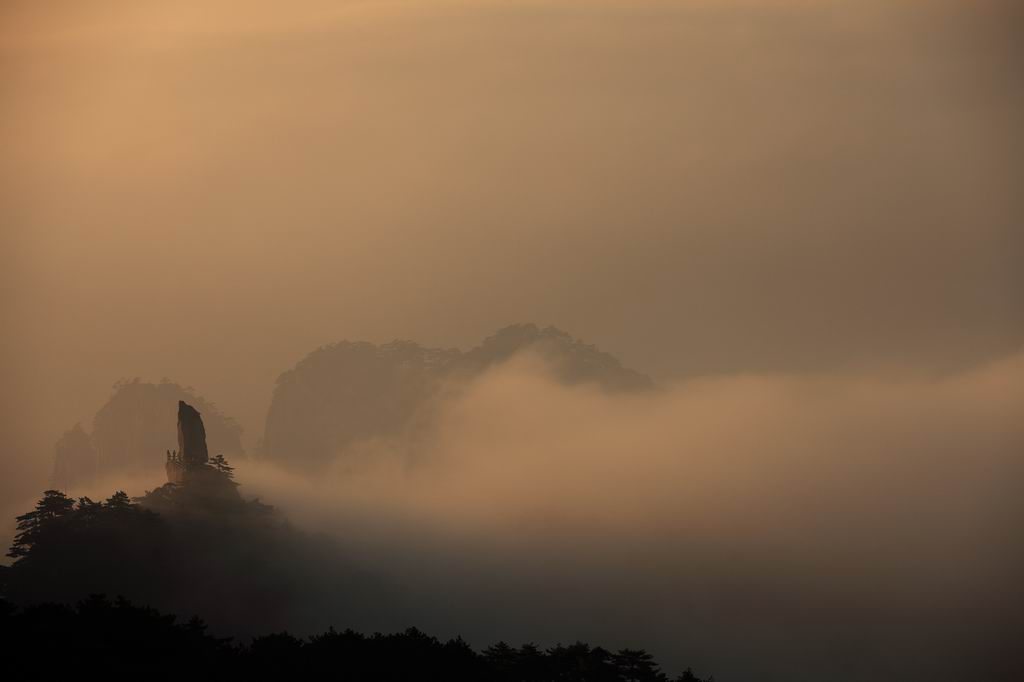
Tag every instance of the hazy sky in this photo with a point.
(208, 190)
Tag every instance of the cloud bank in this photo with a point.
(783, 527)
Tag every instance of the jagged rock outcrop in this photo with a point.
(352, 392)
(191, 435)
(131, 433)
(189, 466)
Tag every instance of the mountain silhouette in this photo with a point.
(131, 432)
(193, 543)
(348, 392)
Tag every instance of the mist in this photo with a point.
(753, 525)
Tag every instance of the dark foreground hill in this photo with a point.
(197, 551)
(188, 549)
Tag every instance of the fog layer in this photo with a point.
(756, 526)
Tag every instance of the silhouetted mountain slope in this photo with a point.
(347, 392)
(189, 549)
(570, 360)
(131, 432)
(193, 550)
(74, 459)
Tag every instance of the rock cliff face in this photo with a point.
(346, 393)
(191, 435)
(188, 468)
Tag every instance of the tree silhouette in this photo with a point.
(119, 501)
(54, 505)
(636, 665)
(221, 464)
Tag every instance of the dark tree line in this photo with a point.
(56, 516)
(100, 639)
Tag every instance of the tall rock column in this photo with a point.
(191, 436)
